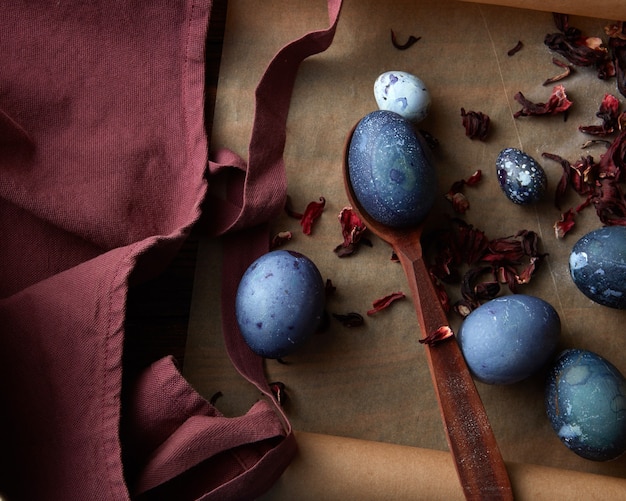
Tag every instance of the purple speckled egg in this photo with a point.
(521, 178)
(402, 93)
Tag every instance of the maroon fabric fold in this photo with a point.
(103, 156)
(101, 164)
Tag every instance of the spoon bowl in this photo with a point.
(478, 461)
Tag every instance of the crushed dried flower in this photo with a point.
(312, 212)
(352, 229)
(518, 46)
(280, 239)
(384, 302)
(567, 72)
(476, 124)
(278, 390)
(557, 103)
(442, 333)
(403, 46)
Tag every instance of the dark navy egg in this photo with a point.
(509, 338)
(597, 264)
(390, 170)
(586, 404)
(279, 303)
(521, 178)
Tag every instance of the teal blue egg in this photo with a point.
(586, 404)
(597, 264)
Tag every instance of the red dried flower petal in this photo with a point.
(476, 124)
(385, 302)
(515, 49)
(311, 214)
(557, 103)
(609, 113)
(459, 201)
(474, 178)
(576, 48)
(352, 229)
(278, 390)
(560, 76)
(528, 271)
(280, 239)
(403, 46)
(565, 224)
(442, 333)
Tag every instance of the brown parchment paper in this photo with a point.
(372, 383)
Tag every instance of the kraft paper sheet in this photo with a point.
(372, 383)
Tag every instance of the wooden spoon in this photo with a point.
(479, 464)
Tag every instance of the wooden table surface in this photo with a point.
(158, 310)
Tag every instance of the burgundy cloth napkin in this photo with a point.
(103, 156)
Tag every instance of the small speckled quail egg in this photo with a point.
(597, 265)
(402, 93)
(586, 404)
(521, 178)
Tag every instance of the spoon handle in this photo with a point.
(479, 464)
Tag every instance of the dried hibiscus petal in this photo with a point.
(278, 390)
(476, 124)
(312, 212)
(403, 46)
(618, 51)
(352, 319)
(567, 72)
(459, 201)
(442, 333)
(352, 229)
(515, 49)
(557, 103)
(609, 113)
(509, 260)
(280, 239)
(384, 302)
(578, 49)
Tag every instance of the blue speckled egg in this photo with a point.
(403, 93)
(509, 338)
(279, 303)
(586, 404)
(597, 264)
(390, 170)
(521, 178)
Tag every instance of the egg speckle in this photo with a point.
(402, 93)
(597, 265)
(586, 404)
(390, 170)
(521, 178)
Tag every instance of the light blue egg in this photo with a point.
(509, 338)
